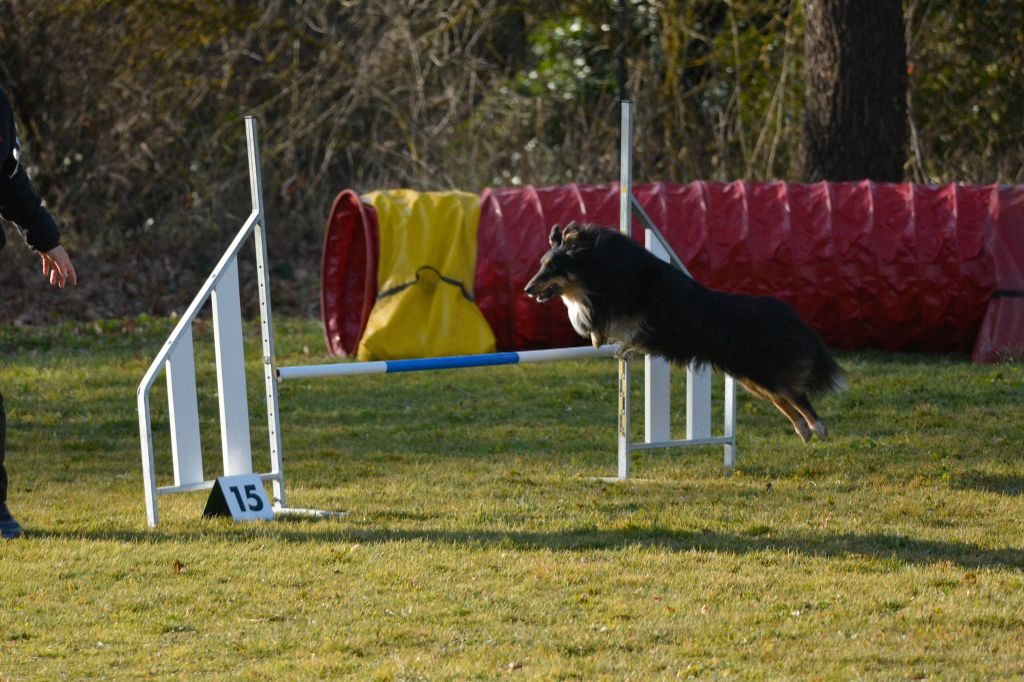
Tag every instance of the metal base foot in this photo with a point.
(315, 513)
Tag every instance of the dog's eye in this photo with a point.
(560, 260)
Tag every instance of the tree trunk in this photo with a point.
(855, 111)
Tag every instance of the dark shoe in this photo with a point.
(9, 528)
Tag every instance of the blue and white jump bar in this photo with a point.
(342, 369)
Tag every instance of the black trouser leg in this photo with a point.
(3, 444)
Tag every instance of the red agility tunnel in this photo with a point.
(348, 271)
(870, 265)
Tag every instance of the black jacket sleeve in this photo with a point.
(19, 202)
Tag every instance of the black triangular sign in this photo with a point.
(217, 505)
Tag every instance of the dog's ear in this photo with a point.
(571, 232)
(555, 238)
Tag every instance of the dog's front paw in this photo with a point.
(596, 339)
(623, 353)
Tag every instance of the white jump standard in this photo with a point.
(177, 359)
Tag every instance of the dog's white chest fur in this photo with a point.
(623, 331)
(578, 316)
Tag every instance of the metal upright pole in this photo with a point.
(657, 372)
(625, 226)
(148, 469)
(730, 422)
(266, 323)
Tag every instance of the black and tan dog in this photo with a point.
(615, 290)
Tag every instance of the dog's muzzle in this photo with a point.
(542, 294)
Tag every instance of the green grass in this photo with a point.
(478, 545)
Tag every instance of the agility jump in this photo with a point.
(176, 358)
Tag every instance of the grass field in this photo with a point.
(478, 546)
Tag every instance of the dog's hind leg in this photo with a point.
(784, 405)
(789, 409)
(803, 405)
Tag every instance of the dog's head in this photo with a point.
(559, 267)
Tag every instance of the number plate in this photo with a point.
(241, 497)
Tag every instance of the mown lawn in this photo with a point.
(478, 544)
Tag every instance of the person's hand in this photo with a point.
(57, 266)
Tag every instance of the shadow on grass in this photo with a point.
(1003, 485)
(878, 546)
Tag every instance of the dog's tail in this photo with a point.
(826, 374)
